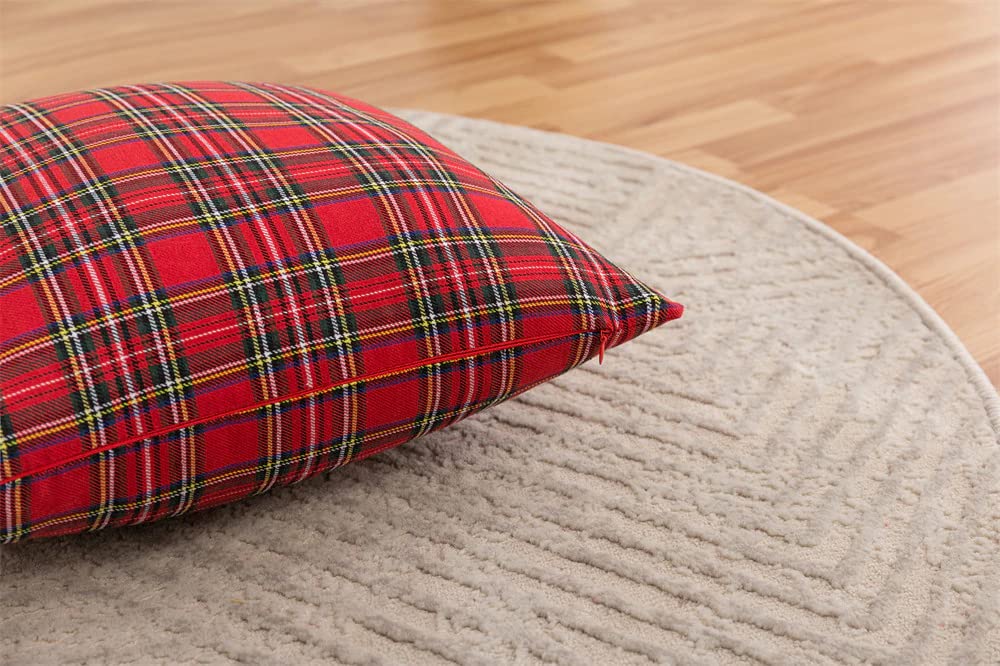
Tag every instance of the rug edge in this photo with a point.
(977, 376)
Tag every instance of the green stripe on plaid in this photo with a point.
(189, 261)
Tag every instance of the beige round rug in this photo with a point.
(805, 469)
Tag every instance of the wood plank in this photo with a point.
(881, 118)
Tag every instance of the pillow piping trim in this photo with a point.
(225, 497)
(462, 354)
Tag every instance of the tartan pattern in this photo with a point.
(210, 289)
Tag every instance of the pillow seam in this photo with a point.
(459, 355)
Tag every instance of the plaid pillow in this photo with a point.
(210, 289)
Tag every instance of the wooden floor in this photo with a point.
(880, 118)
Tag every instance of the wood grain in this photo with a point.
(882, 119)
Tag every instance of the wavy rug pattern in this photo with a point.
(805, 469)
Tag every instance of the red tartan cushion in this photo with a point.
(210, 289)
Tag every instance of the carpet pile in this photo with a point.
(804, 469)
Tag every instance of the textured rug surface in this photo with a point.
(805, 469)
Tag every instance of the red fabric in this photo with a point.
(210, 289)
